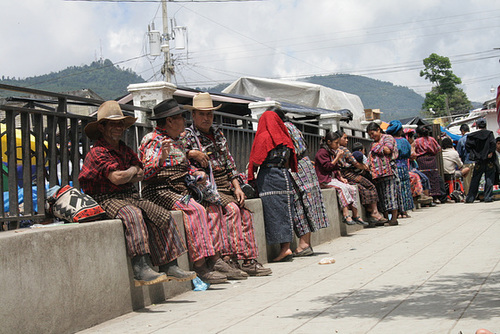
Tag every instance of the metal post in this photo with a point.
(167, 66)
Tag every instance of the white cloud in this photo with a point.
(273, 38)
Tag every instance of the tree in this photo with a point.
(445, 98)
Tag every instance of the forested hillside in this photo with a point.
(104, 78)
(396, 102)
(110, 82)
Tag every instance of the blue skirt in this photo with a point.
(276, 192)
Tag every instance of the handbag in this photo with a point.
(69, 204)
(204, 191)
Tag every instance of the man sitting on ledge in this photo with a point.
(208, 151)
(165, 170)
(108, 175)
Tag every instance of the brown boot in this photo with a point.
(254, 268)
(230, 272)
(210, 276)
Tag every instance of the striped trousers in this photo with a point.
(142, 236)
(238, 233)
(204, 234)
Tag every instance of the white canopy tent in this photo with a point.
(301, 93)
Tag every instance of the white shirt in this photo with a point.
(451, 161)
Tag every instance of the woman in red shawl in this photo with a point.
(273, 153)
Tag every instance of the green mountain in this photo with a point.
(110, 82)
(395, 102)
(105, 79)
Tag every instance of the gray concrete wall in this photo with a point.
(67, 278)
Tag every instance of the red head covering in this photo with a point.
(271, 132)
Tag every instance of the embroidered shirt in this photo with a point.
(347, 161)
(103, 159)
(215, 146)
(378, 161)
(426, 145)
(297, 138)
(150, 151)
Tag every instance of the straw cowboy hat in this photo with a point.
(203, 101)
(166, 109)
(108, 111)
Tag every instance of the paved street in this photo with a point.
(437, 272)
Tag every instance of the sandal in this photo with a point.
(359, 221)
(348, 222)
(404, 215)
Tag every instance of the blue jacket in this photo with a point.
(462, 152)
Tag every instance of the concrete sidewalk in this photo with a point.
(437, 272)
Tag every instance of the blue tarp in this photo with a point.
(453, 137)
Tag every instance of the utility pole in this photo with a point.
(167, 69)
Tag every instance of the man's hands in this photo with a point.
(199, 156)
(202, 175)
(240, 195)
(166, 145)
(139, 175)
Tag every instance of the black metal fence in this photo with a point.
(42, 146)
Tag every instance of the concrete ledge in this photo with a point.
(63, 279)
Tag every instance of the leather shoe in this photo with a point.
(208, 276)
(359, 221)
(230, 272)
(305, 252)
(175, 273)
(254, 268)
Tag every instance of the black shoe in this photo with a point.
(360, 222)
(349, 222)
(305, 252)
(175, 273)
(489, 200)
(143, 273)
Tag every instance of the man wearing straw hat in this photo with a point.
(208, 150)
(108, 174)
(166, 169)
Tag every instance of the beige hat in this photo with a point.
(110, 111)
(202, 101)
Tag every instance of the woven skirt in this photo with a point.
(276, 192)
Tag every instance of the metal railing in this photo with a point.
(44, 140)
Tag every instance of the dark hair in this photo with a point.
(340, 132)
(446, 143)
(373, 127)
(161, 122)
(357, 146)
(279, 112)
(329, 136)
(497, 139)
(423, 131)
(464, 128)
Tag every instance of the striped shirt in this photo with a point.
(426, 145)
(378, 161)
(150, 152)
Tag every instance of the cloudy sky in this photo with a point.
(290, 39)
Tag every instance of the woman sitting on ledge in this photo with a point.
(327, 168)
